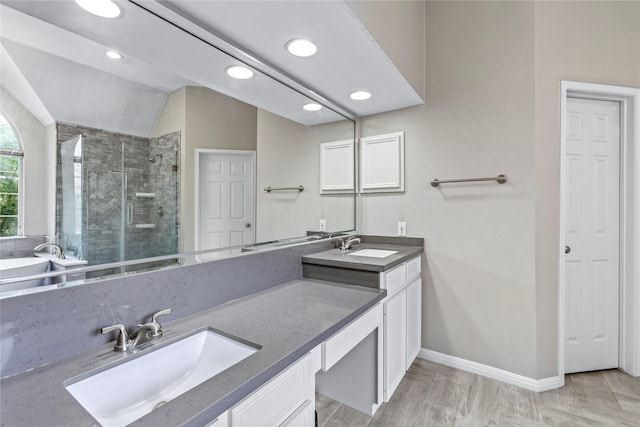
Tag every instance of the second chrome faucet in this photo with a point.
(145, 333)
(347, 243)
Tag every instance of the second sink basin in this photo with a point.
(373, 253)
(132, 389)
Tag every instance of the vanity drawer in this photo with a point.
(348, 337)
(277, 400)
(394, 280)
(414, 267)
(304, 416)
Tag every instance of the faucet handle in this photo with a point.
(160, 313)
(122, 342)
(154, 320)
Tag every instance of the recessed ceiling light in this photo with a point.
(114, 55)
(360, 95)
(239, 72)
(301, 47)
(103, 8)
(312, 106)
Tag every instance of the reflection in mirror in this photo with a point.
(117, 195)
(288, 156)
(126, 161)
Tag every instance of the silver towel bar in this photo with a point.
(501, 179)
(269, 189)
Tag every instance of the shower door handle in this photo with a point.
(130, 213)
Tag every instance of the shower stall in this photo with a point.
(117, 195)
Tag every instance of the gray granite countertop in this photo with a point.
(287, 321)
(344, 259)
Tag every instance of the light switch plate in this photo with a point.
(402, 228)
(322, 226)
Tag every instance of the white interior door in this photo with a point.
(226, 187)
(592, 222)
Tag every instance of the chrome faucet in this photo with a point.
(144, 333)
(148, 331)
(57, 249)
(347, 243)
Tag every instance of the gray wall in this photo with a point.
(206, 119)
(289, 156)
(41, 328)
(493, 72)
(596, 42)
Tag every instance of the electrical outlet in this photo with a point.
(402, 228)
(323, 225)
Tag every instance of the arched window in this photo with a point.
(11, 155)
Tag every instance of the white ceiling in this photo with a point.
(61, 55)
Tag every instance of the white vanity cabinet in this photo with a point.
(287, 400)
(402, 320)
(414, 320)
(352, 363)
(221, 421)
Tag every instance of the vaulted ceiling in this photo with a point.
(54, 50)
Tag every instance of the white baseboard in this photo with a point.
(491, 372)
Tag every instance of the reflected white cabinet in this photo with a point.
(336, 167)
(402, 321)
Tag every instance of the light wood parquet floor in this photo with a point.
(436, 395)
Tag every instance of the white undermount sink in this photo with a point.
(373, 253)
(126, 392)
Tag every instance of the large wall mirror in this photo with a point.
(161, 151)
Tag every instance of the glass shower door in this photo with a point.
(91, 199)
(119, 196)
(70, 232)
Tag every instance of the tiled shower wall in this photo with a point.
(109, 162)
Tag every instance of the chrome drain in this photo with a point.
(159, 404)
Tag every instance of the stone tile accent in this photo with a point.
(20, 247)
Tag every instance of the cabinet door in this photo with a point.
(274, 402)
(221, 421)
(414, 320)
(395, 342)
(304, 416)
(382, 163)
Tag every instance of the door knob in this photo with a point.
(567, 249)
(247, 225)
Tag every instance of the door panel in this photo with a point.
(395, 335)
(414, 320)
(592, 184)
(226, 199)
